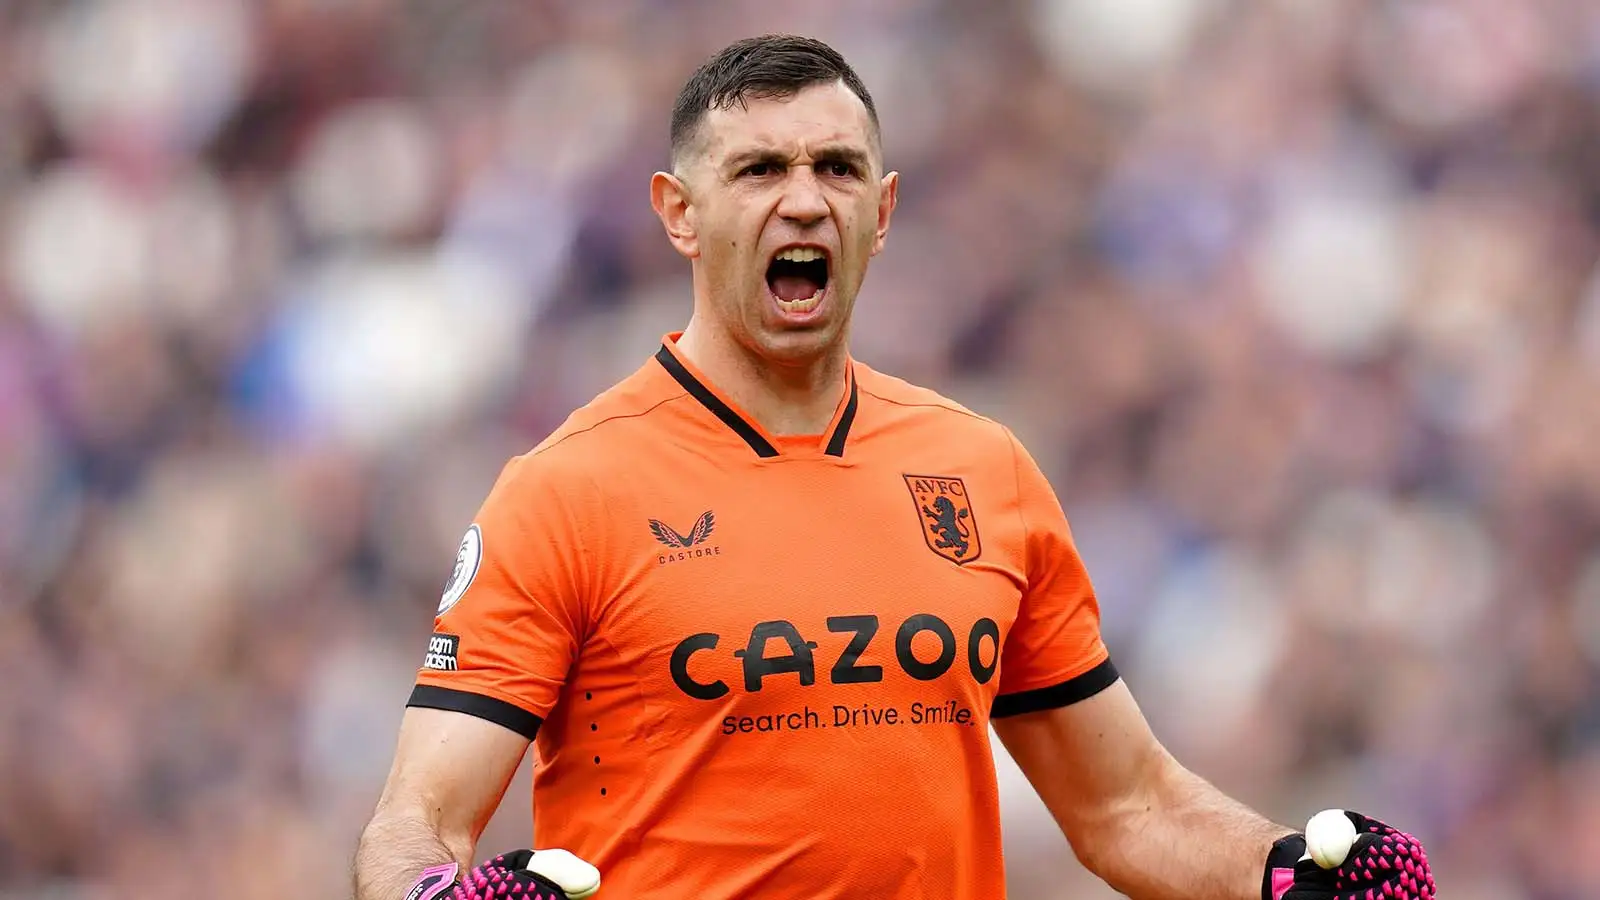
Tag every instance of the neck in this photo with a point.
(785, 398)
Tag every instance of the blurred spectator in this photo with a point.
(1297, 303)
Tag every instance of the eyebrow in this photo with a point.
(827, 153)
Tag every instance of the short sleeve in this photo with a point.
(511, 616)
(1053, 655)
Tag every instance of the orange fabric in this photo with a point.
(794, 704)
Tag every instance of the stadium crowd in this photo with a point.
(1296, 302)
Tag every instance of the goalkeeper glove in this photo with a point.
(528, 874)
(1383, 864)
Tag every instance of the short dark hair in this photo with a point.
(760, 68)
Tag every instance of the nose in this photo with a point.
(802, 201)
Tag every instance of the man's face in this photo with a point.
(786, 202)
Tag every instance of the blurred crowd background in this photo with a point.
(1295, 301)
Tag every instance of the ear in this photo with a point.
(669, 197)
(887, 198)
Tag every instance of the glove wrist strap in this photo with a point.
(1281, 860)
(434, 882)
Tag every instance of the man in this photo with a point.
(759, 605)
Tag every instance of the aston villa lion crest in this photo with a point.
(948, 523)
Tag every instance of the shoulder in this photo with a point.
(607, 432)
(910, 405)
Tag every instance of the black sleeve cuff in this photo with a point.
(1066, 693)
(493, 709)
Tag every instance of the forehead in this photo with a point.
(822, 113)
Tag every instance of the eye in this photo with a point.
(758, 170)
(838, 169)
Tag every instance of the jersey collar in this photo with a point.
(765, 445)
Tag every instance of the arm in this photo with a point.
(1135, 817)
(506, 634)
(1142, 822)
(450, 771)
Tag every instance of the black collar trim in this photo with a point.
(751, 436)
(841, 432)
(712, 402)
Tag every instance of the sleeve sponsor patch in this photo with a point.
(442, 652)
(468, 557)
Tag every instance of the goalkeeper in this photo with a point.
(758, 605)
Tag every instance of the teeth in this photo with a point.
(801, 254)
(800, 306)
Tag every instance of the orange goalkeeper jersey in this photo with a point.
(763, 666)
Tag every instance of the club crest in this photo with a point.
(949, 525)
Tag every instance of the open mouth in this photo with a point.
(797, 277)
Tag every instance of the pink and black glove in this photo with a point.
(1383, 864)
(525, 874)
